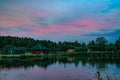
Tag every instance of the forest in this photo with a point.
(100, 44)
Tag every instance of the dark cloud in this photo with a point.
(112, 36)
(113, 33)
(75, 25)
(24, 29)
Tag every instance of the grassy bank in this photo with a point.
(97, 55)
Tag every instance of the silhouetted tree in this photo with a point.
(101, 42)
(110, 47)
(92, 45)
(117, 44)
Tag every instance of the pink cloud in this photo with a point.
(86, 23)
(18, 22)
(56, 29)
(24, 16)
(66, 29)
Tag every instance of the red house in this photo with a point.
(39, 49)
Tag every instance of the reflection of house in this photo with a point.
(70, 50)
(70, 59)
(39, 49)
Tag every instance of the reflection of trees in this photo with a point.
(25, 64)
(45, 62)
(84, 62)
(103, 63)
(100, 64)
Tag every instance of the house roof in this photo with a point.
(10, 47)
(39, 47)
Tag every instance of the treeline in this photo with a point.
(100, 44)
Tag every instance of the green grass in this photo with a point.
(62, 55)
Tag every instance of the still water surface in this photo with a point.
(60, 69)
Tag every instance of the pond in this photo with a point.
(70, 68)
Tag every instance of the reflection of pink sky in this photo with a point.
(58, 72)
(53, 72)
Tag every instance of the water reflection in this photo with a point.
(69, 68)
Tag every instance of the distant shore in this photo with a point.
(97, 55)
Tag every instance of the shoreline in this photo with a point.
(107, 55)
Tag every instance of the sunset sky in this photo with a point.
(60, 20)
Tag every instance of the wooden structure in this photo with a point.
(39, 49)
(70, 50)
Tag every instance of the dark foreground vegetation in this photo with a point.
(100, 44)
